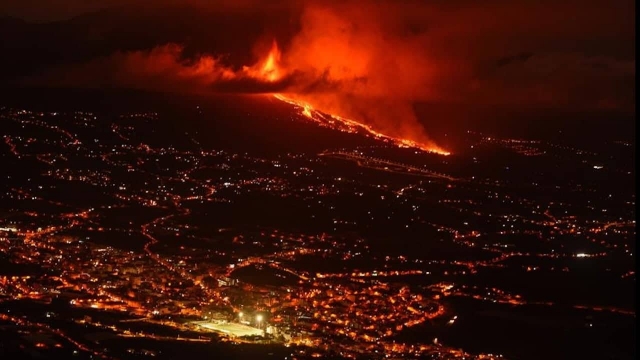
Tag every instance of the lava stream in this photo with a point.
(353, 126)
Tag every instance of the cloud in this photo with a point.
(522, 57)
(56, 10)
(160, 68)
(562, 80)
(163, 68)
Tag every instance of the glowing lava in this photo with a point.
(351, 126)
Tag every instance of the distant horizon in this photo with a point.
(504, 108)
(498, 122)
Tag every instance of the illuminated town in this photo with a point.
(114, 239)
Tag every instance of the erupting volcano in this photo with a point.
(271, 70)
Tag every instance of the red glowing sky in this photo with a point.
(372, 60)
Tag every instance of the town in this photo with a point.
(308, 251)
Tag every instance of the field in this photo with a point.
(233, 329)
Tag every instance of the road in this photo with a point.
(367, 160)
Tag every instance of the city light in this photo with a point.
(398, 236)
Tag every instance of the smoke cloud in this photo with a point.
(364, 65)
(164, 68)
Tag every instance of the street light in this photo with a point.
(259, 319)
(240, 315)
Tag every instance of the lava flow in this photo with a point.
(339, 123)
(270, 70)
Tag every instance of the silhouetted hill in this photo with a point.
(243, 123)
(6, 20)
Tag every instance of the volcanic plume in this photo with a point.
(348, 64)
(343, 62)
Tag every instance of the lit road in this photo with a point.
(364, 160)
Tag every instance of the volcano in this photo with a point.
(338, 95)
